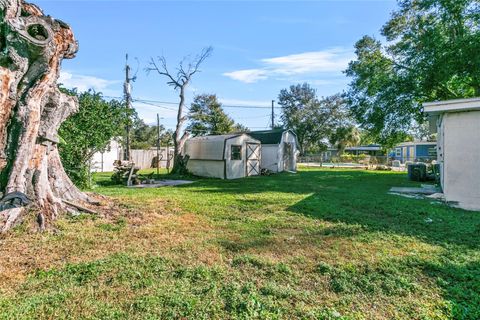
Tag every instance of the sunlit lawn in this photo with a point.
(319, 244)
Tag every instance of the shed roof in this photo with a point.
(457, 105)
(268, 136)
(221, 137)
(416, 143)
(370, 147)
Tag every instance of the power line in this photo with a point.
(248, 107)
(204, 130)
(257, 117)
(154, 105)
(156, 102)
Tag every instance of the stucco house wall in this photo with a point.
(458, 148)
(461, 163)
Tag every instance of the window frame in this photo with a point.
(432, 151)
(239, 152)
(398, 152)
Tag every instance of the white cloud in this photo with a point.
(248, 76)
(148, 112)
(247, 103)
(331, 61)
(84, 83)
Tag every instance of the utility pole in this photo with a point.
(273, 114)
(127, 90)
(158, 145)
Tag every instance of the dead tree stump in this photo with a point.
(32, 108)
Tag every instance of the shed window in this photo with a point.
(236, 153)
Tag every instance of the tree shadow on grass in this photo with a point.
(361, 198)
(460, 283)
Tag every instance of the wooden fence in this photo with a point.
(146, 159)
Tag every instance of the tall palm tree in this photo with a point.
(344, 137)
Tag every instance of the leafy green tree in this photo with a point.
(366, 138)
(344, 137)
(238, 127)
(430, 53)
(144, 136)
(208, 117)
(88, 131)
(312, 119)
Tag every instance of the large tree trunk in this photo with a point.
(179, 161)
(32, 47)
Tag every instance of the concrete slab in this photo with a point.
(406, 195)
(427, 191)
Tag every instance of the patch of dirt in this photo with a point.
(116, 228)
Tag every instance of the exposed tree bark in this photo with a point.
(32, 108)
(179, 82)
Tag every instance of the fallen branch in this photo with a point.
(79, 207)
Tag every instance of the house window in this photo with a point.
(236, 153)
(398, 152)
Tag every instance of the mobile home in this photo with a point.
(420, 151)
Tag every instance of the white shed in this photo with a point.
(229, 156)
(279, 149)
(457, 123)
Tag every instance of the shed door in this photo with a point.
(288, 156)
(253, 159)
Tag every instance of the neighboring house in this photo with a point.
(457, 124)
(103, 161)
(279, 149)
(420, 151)
(144, 159)
(228, 156)
(374, 150)
(370, 150)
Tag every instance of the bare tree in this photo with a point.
(179, 80)
(32, 108)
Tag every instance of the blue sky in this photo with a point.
(260, 47)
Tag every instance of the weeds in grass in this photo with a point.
(321, 244)
(118, 225)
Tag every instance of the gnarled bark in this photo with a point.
(32, 108)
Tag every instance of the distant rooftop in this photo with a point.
(457, 105)
(370, 147)
(416, 143)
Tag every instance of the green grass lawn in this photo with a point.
(319, 244)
